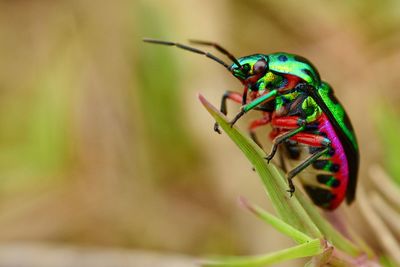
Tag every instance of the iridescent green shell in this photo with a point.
(294, 65)
(338, 112)
(326, 99)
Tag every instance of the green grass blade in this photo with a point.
(288, 208)
(312, 248)
(275, 222)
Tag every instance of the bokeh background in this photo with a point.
(103, 142)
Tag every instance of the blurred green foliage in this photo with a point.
(172, 149)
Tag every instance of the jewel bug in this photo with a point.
(309, 125)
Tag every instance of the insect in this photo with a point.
(309, 125)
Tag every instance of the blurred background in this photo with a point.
(103, 142)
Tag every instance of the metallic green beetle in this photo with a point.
(308, 122)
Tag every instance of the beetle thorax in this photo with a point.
(268, 82)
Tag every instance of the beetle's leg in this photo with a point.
(257, 123)
(295, 125)
(302, 166)
(311, 140)
(254, 104)
(235, 96)
(280, 139)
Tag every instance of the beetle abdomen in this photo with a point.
(332, 171)
(325, 181)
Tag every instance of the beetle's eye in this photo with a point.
(259, 66)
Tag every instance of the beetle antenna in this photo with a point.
(219, 48)
(188, 48)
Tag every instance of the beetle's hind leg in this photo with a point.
(235, 96)
(302, 166)
(314, 140)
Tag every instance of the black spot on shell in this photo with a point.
(323, 178)
(282, 58)
(293, 150)
(302, 59)
(335, 183)
(332, 97)
(334, 167)
(320, 164)
(328, 180)
(308, 72)
(320, 197)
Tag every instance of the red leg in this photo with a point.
(235, 96)
(260, 122)
(287, 122)
(311, 139)
(257, 123)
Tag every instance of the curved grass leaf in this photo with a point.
(311, 248)
(275, 222)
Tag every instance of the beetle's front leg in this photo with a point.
(235, 96)
(253, 104)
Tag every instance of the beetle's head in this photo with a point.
(251, 70)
